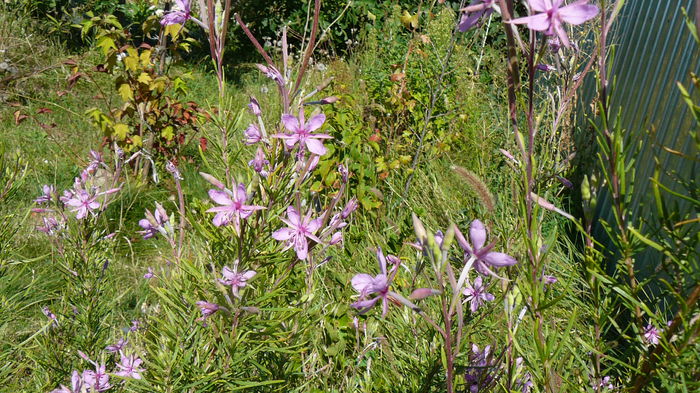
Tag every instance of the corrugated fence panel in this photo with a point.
(654, 51)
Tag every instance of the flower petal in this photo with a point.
(477, 234)
(293, 215)
(578, 13)
(498, 259)
(315, 146)
(301, 246)
(364, 305)
(315, 122)
(220, 197)
(361, 282)
(290, 122)
(538, 5)
(539, 22)
(283, 234)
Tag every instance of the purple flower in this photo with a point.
(95, 161)
(47, 196)
(51, 316)
(336, 238)
(476, 294)
(233, 207)
(480, 372)
(554, 44)
(172, 168)
(82, 203)
(552, 16)
(155, 223)
(252, 135)
(483, 256)
(116, 347)
(549, 280)
(343, 173)
(50, 227)
(349, 208)
(254, 107)
(235, 279)
(76, 385)
(178, 15)
(473, 13)
(303, 134)
(97, 380)
(259, 162)
(135, 325)
(297, 231)
(207, 309)
(129, 367)
(545, 67)
(652, 334)
(149, 275)
(272, 73)
(367, 285)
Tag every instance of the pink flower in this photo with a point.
(97, 380)
(303, 135)
(252, 135)
(207, 309)
(272, 73)
(233, 207)
(476, 294)
(349, 208)
(129, 367)
(254, 107)
(76, 385)
(180, 13)
(476, 10)
(652, 334)
(552, 16)
(235, 279)
(483, 255)
(82, 203)
(259, 162)
(51, 316)
(155, 223)
(47, 196)
(51, 226)
(116, 347)
(298, 230)
(367, 285)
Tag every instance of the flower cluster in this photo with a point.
(86, 198)
(97, 379)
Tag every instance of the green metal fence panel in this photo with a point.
(653, 51)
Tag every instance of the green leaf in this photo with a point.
(125, 92)
(121, 130)
(106, 44)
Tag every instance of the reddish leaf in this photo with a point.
(397, 76)
(70, 62)
(43, 110)
(203, 143)
(19, 117)
(73, 79)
